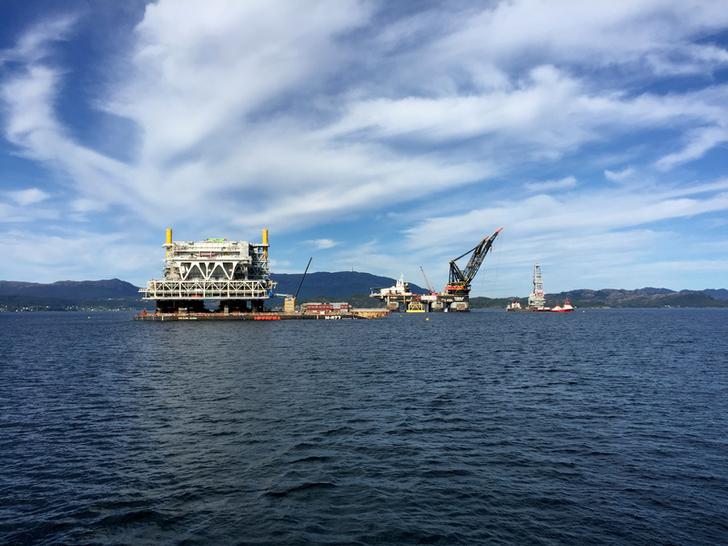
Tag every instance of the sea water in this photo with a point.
(596, 427)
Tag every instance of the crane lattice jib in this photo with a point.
(476, 260)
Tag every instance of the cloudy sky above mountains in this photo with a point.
(378, 136)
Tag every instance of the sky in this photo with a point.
(373, 136)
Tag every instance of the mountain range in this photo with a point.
(71, 290)
(350, 286)
(339, 285)
(69, 295)
(607, 297)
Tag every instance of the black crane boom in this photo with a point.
(465, 277)
(300, 284)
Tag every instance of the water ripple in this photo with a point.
(595, 428)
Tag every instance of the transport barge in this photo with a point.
(234, 276)
(352, 314)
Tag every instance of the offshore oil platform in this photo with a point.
(456, 295)
(236, 275)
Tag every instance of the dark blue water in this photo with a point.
(599, 427)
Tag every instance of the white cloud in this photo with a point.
(13, 213)
(597, 237)
(210, 89)
(541, 116)
(197, 76)
(691, 59)
(29, 196)
(619, 176)
(566, 183)
(603, 210)
(22, 206)
(700, 141)
(373, 256)
(94, 256)
(32, 125)
(637, 33)
(34, 44)
(323, 244)
(258, 113)
(199, 70)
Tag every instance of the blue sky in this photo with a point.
(375, 136)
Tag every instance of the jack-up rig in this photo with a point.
(455, 296)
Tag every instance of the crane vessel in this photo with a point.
(456, 294)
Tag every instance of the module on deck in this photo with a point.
(235, 273)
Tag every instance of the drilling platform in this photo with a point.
(235, 273)
(537, 298)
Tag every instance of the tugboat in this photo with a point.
(566, 308)
(515, 305)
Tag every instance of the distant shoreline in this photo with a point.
(354, 287)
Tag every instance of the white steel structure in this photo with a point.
(234, 272)
(395, 296)
(537, 299)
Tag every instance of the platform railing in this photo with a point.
(207, 289)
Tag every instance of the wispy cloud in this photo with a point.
(322, 244)
(565, 183)
(31, 123)
(599, 231)
(195, 91)
(36, 42)
(699, 142)
(602, 210)
(29, 196)
(619, 176)
(108, 255)
(290, 115)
